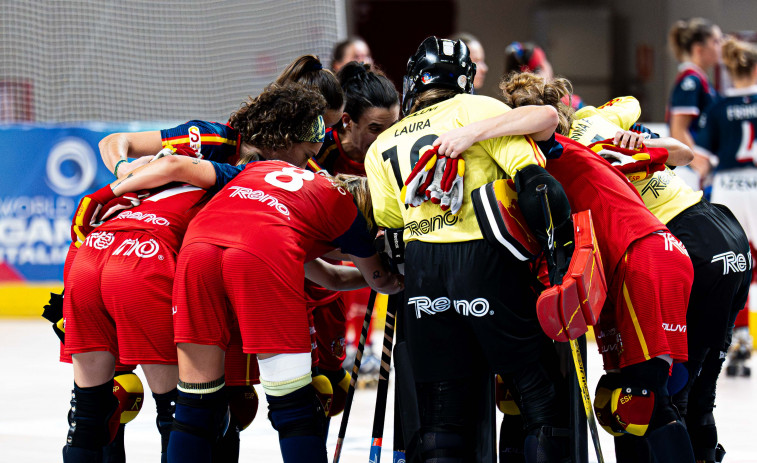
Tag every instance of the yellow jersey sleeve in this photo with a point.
(623, 111)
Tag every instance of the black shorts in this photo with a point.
(466, 305)
(720, 252)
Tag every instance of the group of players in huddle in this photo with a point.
(211, 265)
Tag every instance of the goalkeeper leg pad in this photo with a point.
(91, 422)
(300, 421)
(566, 310)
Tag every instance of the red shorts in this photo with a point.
(240, 369)
(215, 285)
(329, 321)
(118, 298)
(645, 313)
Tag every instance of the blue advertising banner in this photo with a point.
(45, 170)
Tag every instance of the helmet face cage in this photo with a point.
(438, 63)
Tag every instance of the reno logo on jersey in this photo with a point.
(478, 307)
(99, 240)
(143, 249)
(733, 262)
(147, 218)
(257, 195)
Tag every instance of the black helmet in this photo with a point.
(438, 63)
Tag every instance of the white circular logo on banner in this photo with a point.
(79, 152)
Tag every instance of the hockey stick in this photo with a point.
(353, 380)
(383, 384)
(575, 350)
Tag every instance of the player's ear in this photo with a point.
(346, 121)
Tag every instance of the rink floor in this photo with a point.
(35, 390)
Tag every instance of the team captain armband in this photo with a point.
(566, 310)
(501, 220)
(636, 164)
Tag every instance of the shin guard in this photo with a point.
(300, 420)
(200, 420)
(90, 425)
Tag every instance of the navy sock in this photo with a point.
(300, 425)
(195, 427)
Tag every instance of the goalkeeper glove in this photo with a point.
(452, 185)
(86, 216)
(120, 203)
(414, 191)
(636, 164)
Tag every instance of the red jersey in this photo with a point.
(590, 182)
(164, 215)
(282, 214)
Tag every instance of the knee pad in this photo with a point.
(93, 420)
(202, 409)
(442, 447)
(340, 385)
(324, 391)
(283, 374)
(243, 405)
(505, 401)
(623, 409)
(298, 413)
(130, 393)
(165, 405)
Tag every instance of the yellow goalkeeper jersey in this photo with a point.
(664, 193)
(391, 158)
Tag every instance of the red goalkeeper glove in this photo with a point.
(452, 185)
(636, 164)
(419, 180)
(86, 215)
(120, 203)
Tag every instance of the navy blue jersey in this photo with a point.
(727, 129)
(692, 94)
(333, 158)
(209, 140)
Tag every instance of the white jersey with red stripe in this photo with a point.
(391, 158)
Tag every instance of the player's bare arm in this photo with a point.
(539, 122)
(120, 146)
(334, 277)
(678, 153)
(377, 276)
(166, 170)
